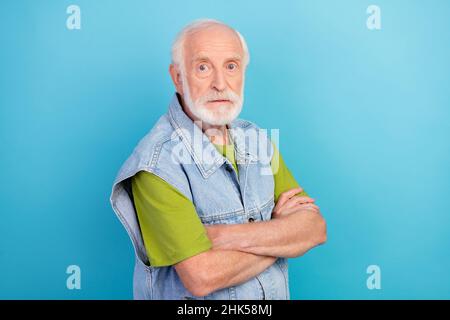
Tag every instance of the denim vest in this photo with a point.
(179, 152)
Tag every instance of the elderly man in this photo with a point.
(208, 215)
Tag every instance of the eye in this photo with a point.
(203, 67)
(232, 66)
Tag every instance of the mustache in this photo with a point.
(219, 95)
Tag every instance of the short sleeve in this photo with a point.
(171, 229)
(283, 178)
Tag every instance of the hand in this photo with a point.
(212, 231)
(289, 202)
(217, 235)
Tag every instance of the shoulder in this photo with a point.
(256, 138)
(245, 124)
(249, 128)
(154, 154)
(142, 153)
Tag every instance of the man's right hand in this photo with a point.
(289, 202)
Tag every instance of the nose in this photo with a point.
(219, 82)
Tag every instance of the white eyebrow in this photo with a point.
(236, 57)
(204, 57)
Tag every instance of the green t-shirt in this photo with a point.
(171, 229)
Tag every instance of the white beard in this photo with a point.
(222, 114)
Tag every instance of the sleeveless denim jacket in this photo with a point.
(178, 151)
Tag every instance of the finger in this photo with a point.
(299, 207)
(285, 196)
(310, 209)
(306, 206)
(304, 199)
(297, 200)
(294, 201)
(309, 206)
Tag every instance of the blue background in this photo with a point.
(363, 118)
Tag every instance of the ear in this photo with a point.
(176, 78)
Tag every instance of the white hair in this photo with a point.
(178, 44)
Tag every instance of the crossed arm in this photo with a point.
(242, 251)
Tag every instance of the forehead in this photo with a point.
(213, 42)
